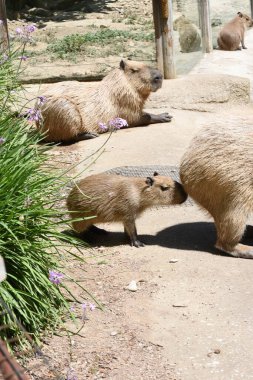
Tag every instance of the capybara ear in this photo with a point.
(149, 181)
(155, 174)
(122, 64)
(239, 14)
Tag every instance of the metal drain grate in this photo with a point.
(147, 171)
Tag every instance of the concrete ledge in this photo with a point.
(201, 92)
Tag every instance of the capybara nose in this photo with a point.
(179, 188)
(158, 77)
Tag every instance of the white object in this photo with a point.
(2, 270)
(132, 286)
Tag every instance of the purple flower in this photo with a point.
(71, 375)
(33, 114)
(23, 58)
(2, 140)
(19, 31)
(3, 59)
(84, 307)
(103, 126)
(118, 123)
(55, 277)
(41, 100)
(92, 307)
(30, 28)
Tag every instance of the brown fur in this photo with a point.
(217, 172)
(70, 116)
(189, 34)
(232, 34)
(114, 198)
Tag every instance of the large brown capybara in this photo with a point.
(115, 198)
(71, 116)
(232, 34)
(217, 172)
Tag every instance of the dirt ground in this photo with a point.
(190, 317)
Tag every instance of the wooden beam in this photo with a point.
(4, 35)
(205, 26)
(251, 8)
(158, 35)
(167, 39)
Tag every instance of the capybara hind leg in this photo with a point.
(229, 233)
(86, 136)
(131, 232)
(81, 225)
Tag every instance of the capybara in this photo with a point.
(72, 116)
(189, 34)
(232, 34)
(217, 172)
(115, 198)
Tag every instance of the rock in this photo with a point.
(132, 286)
(216, 21)
(41, 12)
(173, 261)
(113, 333)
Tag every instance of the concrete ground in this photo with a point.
(192, 303)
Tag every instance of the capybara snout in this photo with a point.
(180, 193)
(156, 79)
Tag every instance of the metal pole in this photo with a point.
(205, 25)
(4, 35)
(167, 39)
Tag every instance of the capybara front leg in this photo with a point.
(148, 118)
(243, 45)
(229, 233)
(131, 232)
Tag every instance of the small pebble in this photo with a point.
(113, 333)
(132, 286)
(173, 261)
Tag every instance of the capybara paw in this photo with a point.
(240, 250)
(165, 117)
(137, 244)
(244, 47)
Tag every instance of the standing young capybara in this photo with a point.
(217, 172)
(231, 35)
(115, 198)
(71, 116)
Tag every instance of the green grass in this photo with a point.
(31, 221)
(113, 40)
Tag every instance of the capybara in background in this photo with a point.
(232, 34)
(115, 198)
(217, 172)
(74, 116)
(189, 34)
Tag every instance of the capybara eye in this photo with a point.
(134, 70)
(164, 187)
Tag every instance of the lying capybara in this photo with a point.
(115, 198)
(232, 34)
(189, 34)
(217, 172)
(71, 117)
